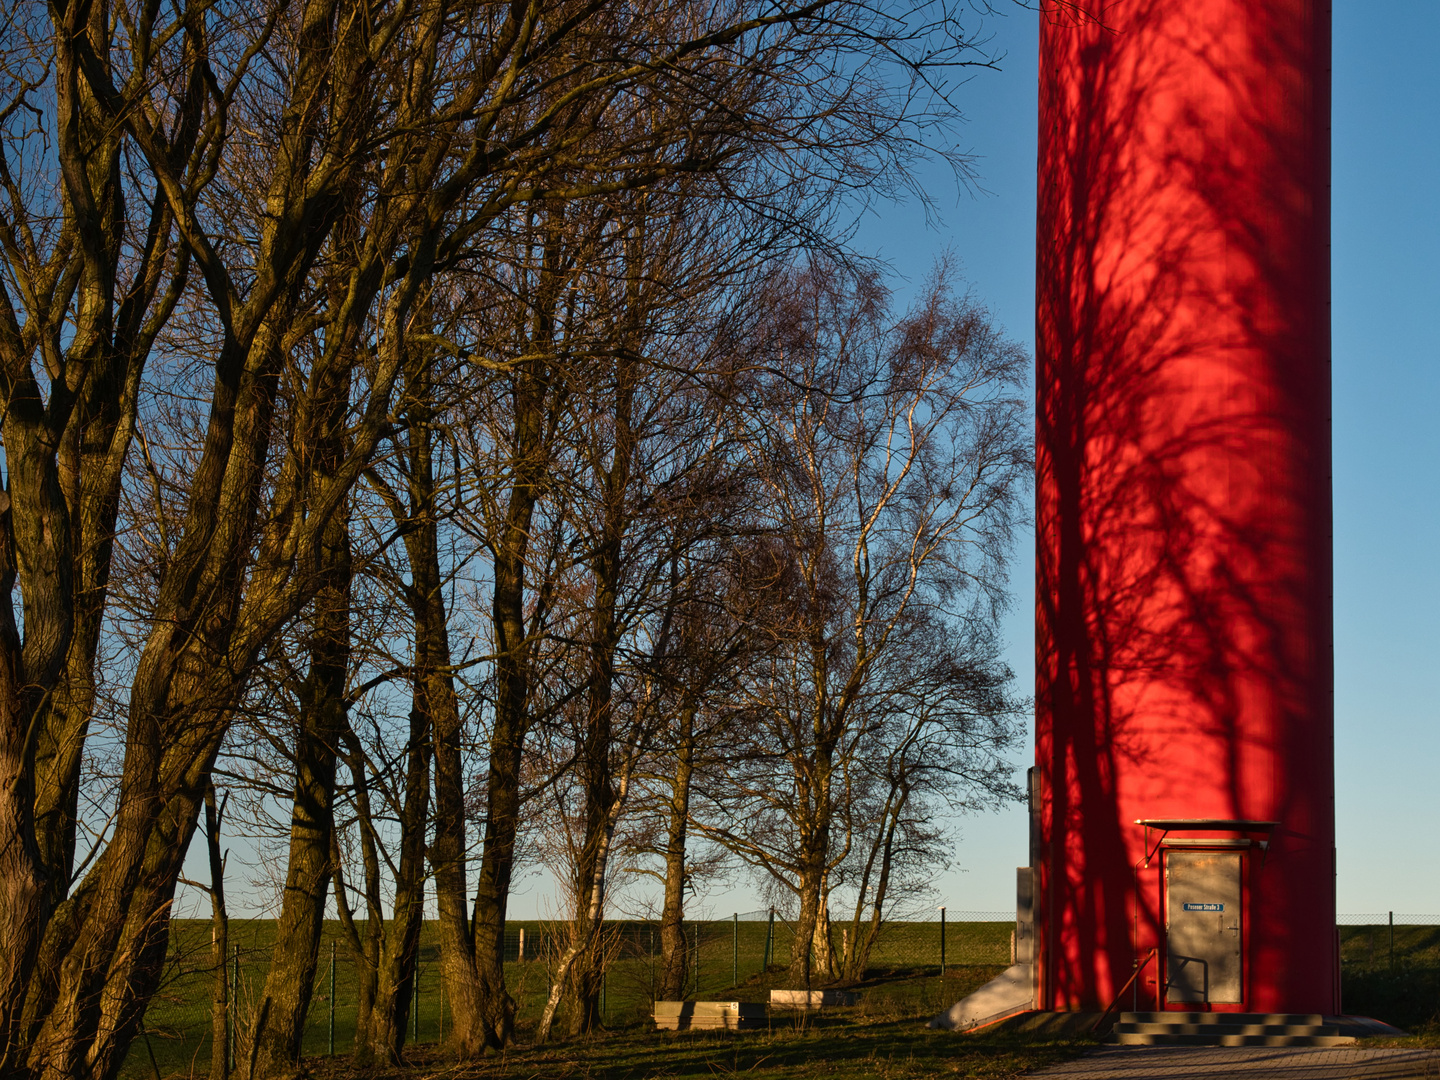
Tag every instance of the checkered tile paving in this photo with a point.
(1249, 1063)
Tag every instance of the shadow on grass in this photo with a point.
(1408, 998)
(882, 1051)
(881, 1038)
(1399, 983)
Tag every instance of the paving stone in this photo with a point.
(1249, 1063)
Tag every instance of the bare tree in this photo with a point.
(513, 437)
(896, 456)
(652, 469)
(938, 750)
(715, 637)
(258, 203)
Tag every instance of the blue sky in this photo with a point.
(1386, 263)
(1386, 382)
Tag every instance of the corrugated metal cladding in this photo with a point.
(1184, 666)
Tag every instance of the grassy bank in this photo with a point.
(1399, 984)
(881, 1038)
(898, 994)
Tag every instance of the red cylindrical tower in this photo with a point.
(1184, 660)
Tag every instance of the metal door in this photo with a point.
(1202, 927)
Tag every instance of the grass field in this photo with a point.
(905, 985)
(1405, 990)
(880, 1038)
(842, 1048)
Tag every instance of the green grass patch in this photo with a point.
(1399, 986)
(902, 989)
(881, 1037)
(836, 1049)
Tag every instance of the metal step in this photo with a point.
(1217, 1039)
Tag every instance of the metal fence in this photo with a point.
(1385, 918)
(1388, 941)
(742, 953)
(729, 952)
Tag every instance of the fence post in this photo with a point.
(652, 963)
(1392, 942)
(769, 941)
(697, 959)
(415, 1004)
(332, 998)
(942, 939)
(735, 977)
(520, 956)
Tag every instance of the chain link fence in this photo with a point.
(1388, 941)
(1388, 964)
(1390, 967)
(745, 954)
(728, 953)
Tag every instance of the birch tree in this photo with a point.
(895, 457)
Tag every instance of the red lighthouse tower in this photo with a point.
(1183, 796)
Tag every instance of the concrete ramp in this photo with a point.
(1008, 993)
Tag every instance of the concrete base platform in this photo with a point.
(1362, 1027)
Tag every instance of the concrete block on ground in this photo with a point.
(709, 1015)
(810, 1000)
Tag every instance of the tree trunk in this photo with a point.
(810, 888)
(22, 881)
(380, 1034)
(537, 396)
(496, 1008)
(457, 943)
(815, 809)
(822, 965)
(586, 962)
(497, 863)
(674, 951)
(290, 984)
(584, 934)
(823, 943)
(219, 942)
(385, 952)
(814, 800)
(613, 483)
(435, 693)
(882, 850)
